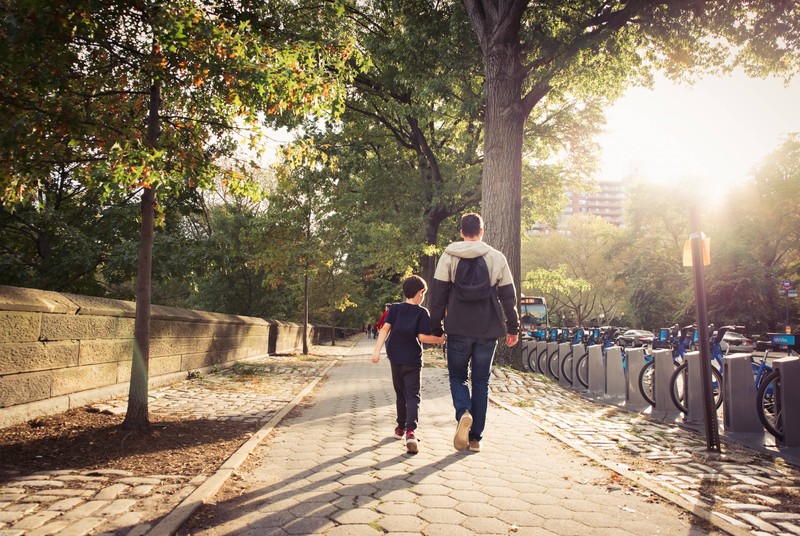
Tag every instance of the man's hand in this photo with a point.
(511, 340)
(376, 358)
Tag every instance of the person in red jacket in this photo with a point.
(379, 325)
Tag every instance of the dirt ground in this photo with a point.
(84, 439)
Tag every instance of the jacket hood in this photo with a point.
(468, 250)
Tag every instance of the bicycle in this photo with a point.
(679, 381)
(534, 357)
(768, 404)
(577, 336)
(606, 341)
(552, 364)
(679, 340)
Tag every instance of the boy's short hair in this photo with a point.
(412, 285)
(471, 224)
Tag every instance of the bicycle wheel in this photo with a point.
(541, 362)
(552, 363)
(647, 382)
(768, 405)
(530, 359)
(566, 367)
(679, 382)
(582, 370)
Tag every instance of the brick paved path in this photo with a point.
(750, 490)
(336, 470)
(110, 502)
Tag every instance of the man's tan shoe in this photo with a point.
(461, 440)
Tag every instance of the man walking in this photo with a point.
(471, 283)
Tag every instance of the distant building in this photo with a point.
(607, 203)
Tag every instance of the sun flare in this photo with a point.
(716, 131)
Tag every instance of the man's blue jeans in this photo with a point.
(464, 353)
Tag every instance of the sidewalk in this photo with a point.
(333, 468)
(324, 462)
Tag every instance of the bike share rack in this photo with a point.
(541, 346)
(789, 397)
(615, 375)
(663, 409)
(577, 352)
(597, 371)
(563, 350)
(739, 391)
(551, 347)
(694, 389)
(633, 396)
(526, 345)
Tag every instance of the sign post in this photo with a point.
(710, 410)
(786, 285)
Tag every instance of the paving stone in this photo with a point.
(36, 520)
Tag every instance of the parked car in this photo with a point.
(736, 342)
(636, 337)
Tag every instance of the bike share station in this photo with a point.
(613, 374)
(754, 407)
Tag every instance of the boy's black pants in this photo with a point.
(406, 380)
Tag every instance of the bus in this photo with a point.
(534, 320)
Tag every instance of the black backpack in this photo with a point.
(472, 279)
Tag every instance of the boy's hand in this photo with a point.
(376, 358)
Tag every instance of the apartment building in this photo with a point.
(607, 202)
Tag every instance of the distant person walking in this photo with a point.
(471, 284)
(379, 325)
(407, 326)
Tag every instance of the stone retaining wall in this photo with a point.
(59, 351)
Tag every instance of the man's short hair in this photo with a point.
(412, 285)
(471, 224)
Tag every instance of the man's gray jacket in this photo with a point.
(478, 319)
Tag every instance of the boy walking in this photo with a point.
(407, 326)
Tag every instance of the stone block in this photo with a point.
(94, 306)
(66, 327)
(124, 328)
(35, 356)
(34, 300)
(173, 329)
(105, 351)
(76, 379)
(201, 360)
(157, 366)
(26, 387)
(18, 413)
(20, 327)
(165, 365)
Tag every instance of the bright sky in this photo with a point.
(716, 130)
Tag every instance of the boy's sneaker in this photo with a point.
(474, 445)
(411, 442)
(461, 440)
(399, 432)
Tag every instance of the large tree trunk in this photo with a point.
(433, 221)
(497, 25)
(137, 416)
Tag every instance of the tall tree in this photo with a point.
(146, 96)
(533, 49)
(758, 246)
